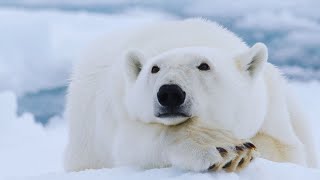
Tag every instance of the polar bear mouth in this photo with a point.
(173, 115)
(172, 118)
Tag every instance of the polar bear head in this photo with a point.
(217, 86)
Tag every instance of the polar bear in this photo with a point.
(189, 94)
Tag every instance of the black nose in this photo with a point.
(171, 95)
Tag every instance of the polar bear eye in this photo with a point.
(204, 67)
(155, 69)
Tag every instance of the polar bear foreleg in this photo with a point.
(273, 149)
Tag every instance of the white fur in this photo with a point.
(110, 104)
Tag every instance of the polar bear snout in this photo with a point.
(171, 98)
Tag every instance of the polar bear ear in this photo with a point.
(133, 64)
(253, 60)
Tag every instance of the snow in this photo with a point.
(38, 47)
(260, 169)
(31, 151)
(27, 148)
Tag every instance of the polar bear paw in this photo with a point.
(196, 147)
(198, 158)
(235, 158)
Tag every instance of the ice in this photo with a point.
(37, 48)
(27, 148)
(31, 151)
(8, 109)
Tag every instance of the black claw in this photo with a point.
(249, 145)
(246, 145)
(251, 159)
(239, 148)
(222, 151)
(211, 167)
(227, 165)
(241, 162)
(253, 146)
